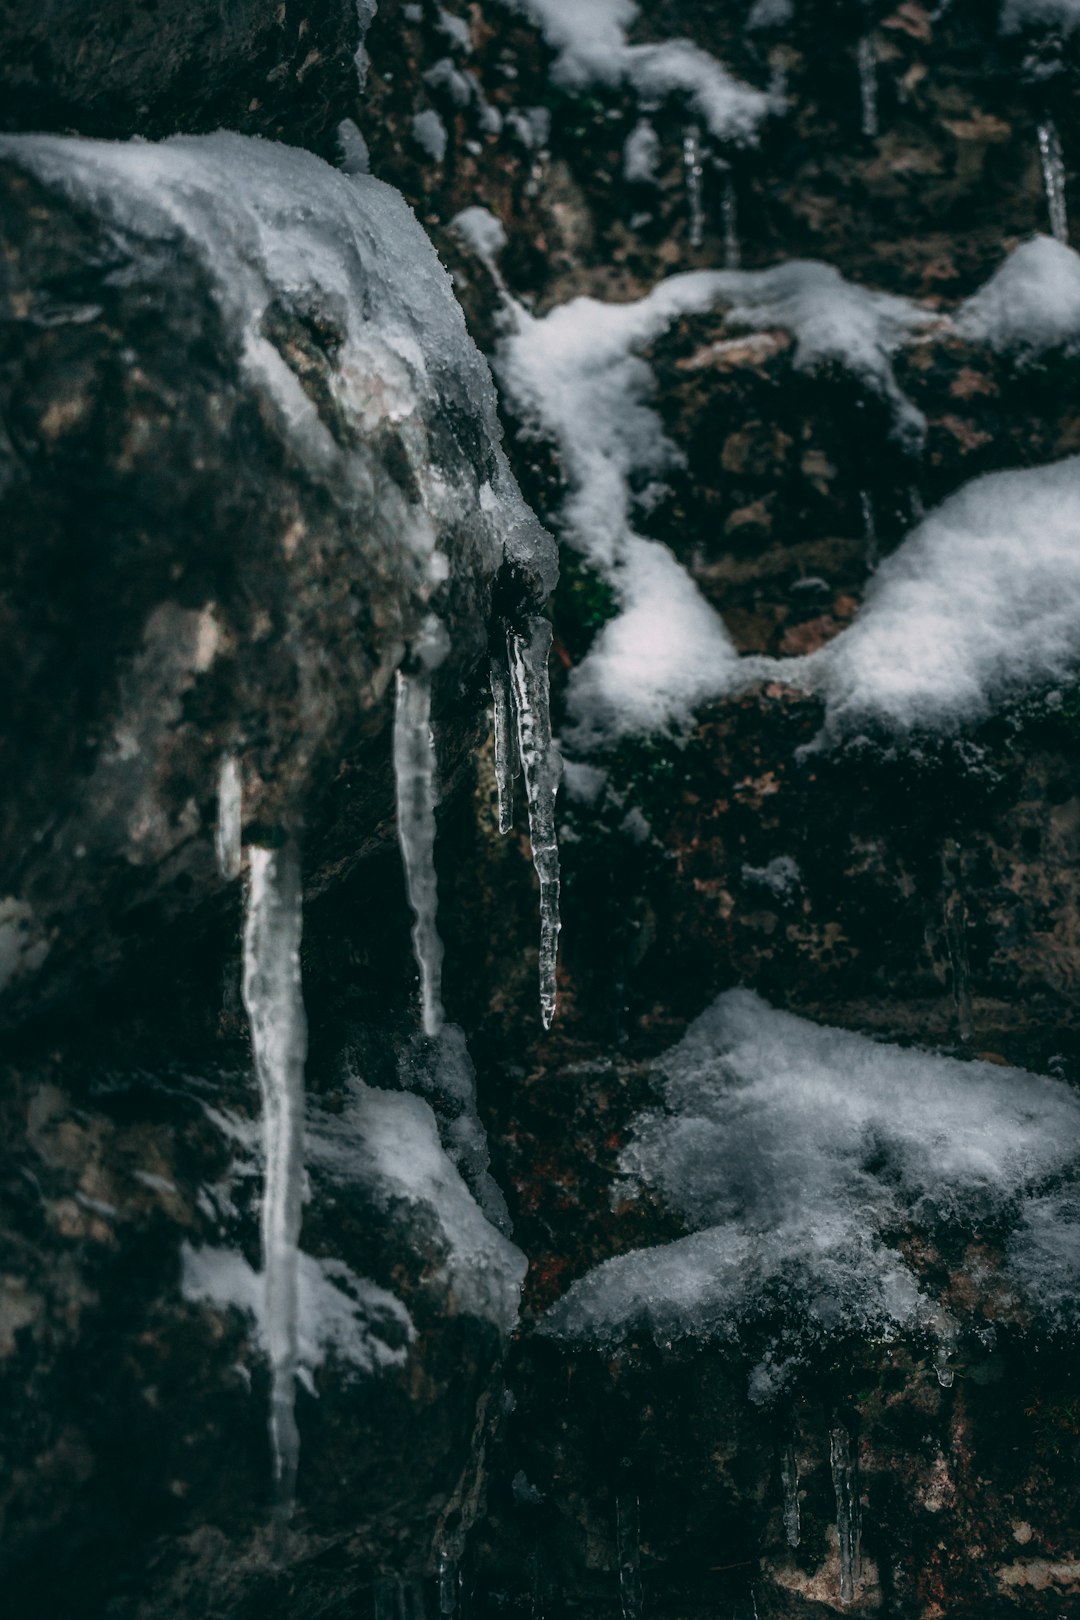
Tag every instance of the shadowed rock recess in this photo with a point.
(337, 1277)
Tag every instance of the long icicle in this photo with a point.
(843, 1460)
(527, 651)
(414, 775)
(506, 759)
(275, 1008)
(229, 830)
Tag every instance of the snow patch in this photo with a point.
(796, 1152)
(1031, 304)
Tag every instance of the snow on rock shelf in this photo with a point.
(578, 374)
(1031, 304)
(275, 223)
(979, 605)
(590, 41)
(795, 1153)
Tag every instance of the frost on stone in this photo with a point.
(278, 229)
(980, 605)
(388, 1143)
(1031, 304)
(341, 1316)
(795, 1153)
(591, 48)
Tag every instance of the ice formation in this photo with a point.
(414, 777)
(442, 1071)
(590, 41)
(1052, 160)
(541, 767)
(793, 1152)
(275, 1009)
(789, 1484)
(695, 182)
(1031, 304)
(641, 154)
(868, 95)
(229, 830)
(504, 724)
(275, 225)
(843, 1460)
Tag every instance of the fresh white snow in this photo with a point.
(1031, 304)
(794, 1152)
(589, 38)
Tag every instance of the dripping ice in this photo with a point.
(229, 830)
(506, 760)
(275, 1008)
(628, 1540)
(694, 184)
(527, 650)
(844, 1464)
(414, 776)
(789, 1480)
(1052, 160)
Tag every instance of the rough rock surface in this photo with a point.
(286, 71)
(933, 902)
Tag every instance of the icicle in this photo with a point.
(729, 215)
(447, 1576)
(946, 1337)
(867, 60)
(789, 1479)
(506, 760)
(227, 834)
(414, 774)
(1052, 160)
(528, 655)
(956, 939)
(694, 184)
(275, 1008)
(869, 529)
(385, 1604)
(628, 1536)
(538, 1585)
(842, 1457)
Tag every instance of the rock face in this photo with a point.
(220, 526)
(285, 71)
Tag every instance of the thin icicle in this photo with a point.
(628, 1537)
(869, 530)
(414, 775)
(867, 60)
(1052, 159)
(447, 1576)
(227, 834)
(506, 760)
(275, 1009)
(694, 184)
(542, 768)
(729, 215)
(956, 939)
(843, 1460)
(946, 1338)
(789, 1479)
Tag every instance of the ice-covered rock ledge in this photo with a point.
(250, 451)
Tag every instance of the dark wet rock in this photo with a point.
(287, 71)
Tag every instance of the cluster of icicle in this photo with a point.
(272, 989)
